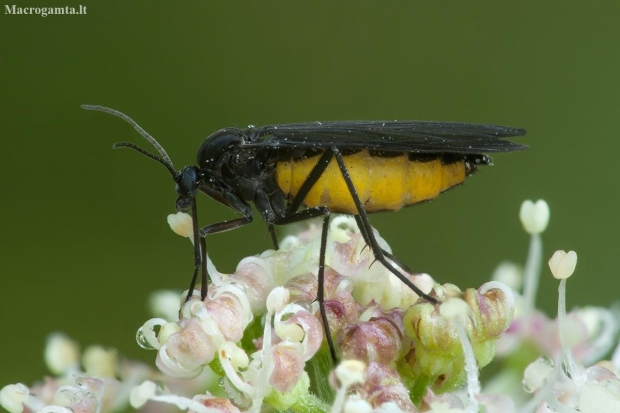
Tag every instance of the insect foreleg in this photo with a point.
(200, 248)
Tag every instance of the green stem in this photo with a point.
(310, 404)
(419, 389)
(318, 369)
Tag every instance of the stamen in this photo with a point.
(227, 354)
(455, 309)
(569, 359)
(348, 373)
(535, 218)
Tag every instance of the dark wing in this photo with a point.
(397, 136)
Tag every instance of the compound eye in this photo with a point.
(188, 182)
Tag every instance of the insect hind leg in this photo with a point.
(389, 255)
(365, 228)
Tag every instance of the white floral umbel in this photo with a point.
(259, 328)
(256, 343)
(567, 373)
(95, 380)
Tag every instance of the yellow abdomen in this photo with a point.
(382, 183)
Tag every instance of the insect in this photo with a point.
(355, 168)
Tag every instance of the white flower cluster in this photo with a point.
(256, 342)
(95, 380)
(576, 341)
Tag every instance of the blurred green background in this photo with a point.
(84, 232)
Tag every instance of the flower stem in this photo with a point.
(310, 404)
(318, 369)
(567, 353)
(532, 272)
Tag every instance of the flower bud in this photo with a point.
(438, 354)
(384, 385)
(493, 304)
(340, 311)
(187, 350)
(216, 404)
(298, 395)
(350, 372)
(357, 405)
(510, 274)
(288, 366)
(61, 354)
(228, 312)
(303, 288)
(310, 328)
(13, 396)
(277, 299)
(376, 340)
(142, 393)
(255, 275)
(100, 362)
(600, 397)
(536, 373)
(165, 304)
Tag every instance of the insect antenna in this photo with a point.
(164, 160)
(145, 153)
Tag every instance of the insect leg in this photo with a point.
(272, 231)
(362, 229)
(225, 226)
(320, 296)
(372, 241)
(391, 257)
(199, 251)
(402, 265)
(314, 176)
(200, 248)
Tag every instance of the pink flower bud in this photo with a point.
(384, 385)
(340, 313)
(394, 315)
(288, 366)
(494, 305)
(190, 347)
(340, 306)
(216, 403)
(334, 282)
(351, 257)
(303, 287)
(376, 340)
(312, 329)
(227, 311)
(255, 275)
